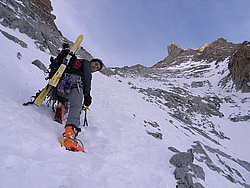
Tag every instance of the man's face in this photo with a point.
(95, 66)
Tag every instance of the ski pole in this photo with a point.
(85, 123)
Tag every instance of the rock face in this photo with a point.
(174, 50)
(34, 18)
(239, 66)
(219, 50)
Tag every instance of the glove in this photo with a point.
(87, 101)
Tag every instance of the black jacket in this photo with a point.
(86, 78)
(84, 71)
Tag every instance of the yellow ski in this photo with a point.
(39, 100)
(57, 76)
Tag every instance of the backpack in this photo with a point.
(56, 62)
(75, 66)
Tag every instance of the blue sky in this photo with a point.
(130, 32)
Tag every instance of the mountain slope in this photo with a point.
(139, 119)
(118, 150)
(199, 100)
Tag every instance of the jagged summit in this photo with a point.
(216, 51)
(237, 56)
(219, 50)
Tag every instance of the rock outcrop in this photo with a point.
(239, 66)
(218, 50)
(186, 171)
(34, 18)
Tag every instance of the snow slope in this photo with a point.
(119, 152)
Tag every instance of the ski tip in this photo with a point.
(80, 38)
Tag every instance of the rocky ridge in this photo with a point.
(218, 51)
(34, 18)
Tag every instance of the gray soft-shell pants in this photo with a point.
(75, 98)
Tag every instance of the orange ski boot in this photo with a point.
(69, 141)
